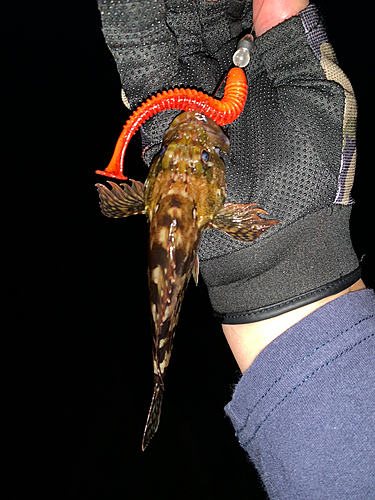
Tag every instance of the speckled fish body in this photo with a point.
(184, 194)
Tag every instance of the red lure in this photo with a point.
(222, 112)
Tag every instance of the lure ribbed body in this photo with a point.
(222, 111)
(183, 195)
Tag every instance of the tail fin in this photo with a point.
(153, 418)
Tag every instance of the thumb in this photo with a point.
(269, 13)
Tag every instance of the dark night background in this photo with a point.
(76, 332)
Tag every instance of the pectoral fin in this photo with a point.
(122, 202)
(242, 222)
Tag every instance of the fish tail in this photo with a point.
(153, 418)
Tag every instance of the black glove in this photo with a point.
(292, 149)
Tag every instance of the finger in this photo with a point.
(208, 27)
(223, 21)
(269, 13)
(183, 20)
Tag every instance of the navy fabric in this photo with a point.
(305, 409)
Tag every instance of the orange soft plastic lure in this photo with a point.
(222, 111)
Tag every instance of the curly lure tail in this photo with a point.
(222, 112)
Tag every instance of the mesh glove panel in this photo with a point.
(294, 149)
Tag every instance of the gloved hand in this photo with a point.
(292, 149)
(163, 44)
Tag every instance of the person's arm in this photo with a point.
(248, 340)
(305, 409)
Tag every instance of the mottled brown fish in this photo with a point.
(184, 194)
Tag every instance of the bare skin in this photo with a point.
(248, 340)
(269, 13)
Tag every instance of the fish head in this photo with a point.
(190, 166)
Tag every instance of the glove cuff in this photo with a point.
(308, 260)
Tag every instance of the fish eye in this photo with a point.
(162, 151)
(205, 156)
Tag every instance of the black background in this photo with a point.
(76, 333)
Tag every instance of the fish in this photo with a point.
(184, 194)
